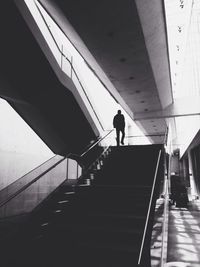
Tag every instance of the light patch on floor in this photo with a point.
(184, 236)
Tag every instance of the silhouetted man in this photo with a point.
(119, 125)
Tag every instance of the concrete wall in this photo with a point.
(187, 132)
(21, 150)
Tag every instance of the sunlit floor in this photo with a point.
(183, 246)
(156, 239)
(184, 235)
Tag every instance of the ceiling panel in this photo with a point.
(113, 33)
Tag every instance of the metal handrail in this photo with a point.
(79, 158)
(49, 169)
(164, 227)
(96, 143)
(85, 60)
(69, 155)
(165, 218)
(149, 208)
(166, 135)
(27, 173)
(76, 74)
(70, 62)
(31, 182)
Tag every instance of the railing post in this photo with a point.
(164, 228)
(67, 168)
(165, 217)
(71, 63)
(61, 60)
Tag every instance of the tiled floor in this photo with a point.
(184, 236)
(183, 248)
(156, 240)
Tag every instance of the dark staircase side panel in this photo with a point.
(100, 224)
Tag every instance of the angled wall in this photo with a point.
(29, 84)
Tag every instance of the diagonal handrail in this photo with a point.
(96, 143)
(80, 158)
(165, 217)
(39, 166)
(85, 60)
(31, 182)
(149, 208)
(166, 136)
(70, 62)
(70, 155)
(164, 227)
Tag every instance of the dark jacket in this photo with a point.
(118, 121)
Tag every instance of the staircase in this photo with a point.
(97, 225)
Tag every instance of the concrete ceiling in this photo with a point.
(128, 40)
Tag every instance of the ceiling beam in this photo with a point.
(152, 17)
(188, 106)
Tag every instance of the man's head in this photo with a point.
(119, 111)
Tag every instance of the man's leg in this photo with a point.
(123, 135)
(117, 138)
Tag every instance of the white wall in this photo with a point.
(187, 128)
(21, 149)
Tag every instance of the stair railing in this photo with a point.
(88, 159)
(23, 195)
(69, 59)
(163, 259)
(165, 226)
(96, 143)
(149, 210)
(13, 189)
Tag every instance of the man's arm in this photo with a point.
(114, 122)
(123, 120)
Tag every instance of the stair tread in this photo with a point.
(111, 246)
(99, 228)
(117, 215)
(105, 218)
